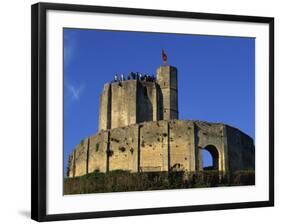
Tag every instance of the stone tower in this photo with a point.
(132, 101)
(168, 98)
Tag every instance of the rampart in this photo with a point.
(163, 146)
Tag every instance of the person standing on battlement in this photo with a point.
(115, 78)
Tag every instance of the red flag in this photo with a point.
(164, 57)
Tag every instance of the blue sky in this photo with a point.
(216, 76)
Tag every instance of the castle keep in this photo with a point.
(139, 99)
(139, 131)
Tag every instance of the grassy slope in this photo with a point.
(118, 181)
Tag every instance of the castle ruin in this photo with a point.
(139, 131)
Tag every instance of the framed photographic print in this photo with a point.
(140, 111)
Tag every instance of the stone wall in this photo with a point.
(168, 83)
(154, 146)
(97, 155)
(105, 108)
(123, 149)
(147, 104)
(163, 146)
(182, 145)
(129, 102)
(241, 150)
(211, 137)
(80, 161)
(123, 103)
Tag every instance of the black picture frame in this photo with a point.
(38, 108)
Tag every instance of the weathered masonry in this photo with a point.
(163, 146)
(139, 131)
(135, 101)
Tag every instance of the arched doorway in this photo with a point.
(210, 158)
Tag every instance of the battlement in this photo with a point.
(139, 98)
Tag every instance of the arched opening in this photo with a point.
(210, 158)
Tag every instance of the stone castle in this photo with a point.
(139, 131)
